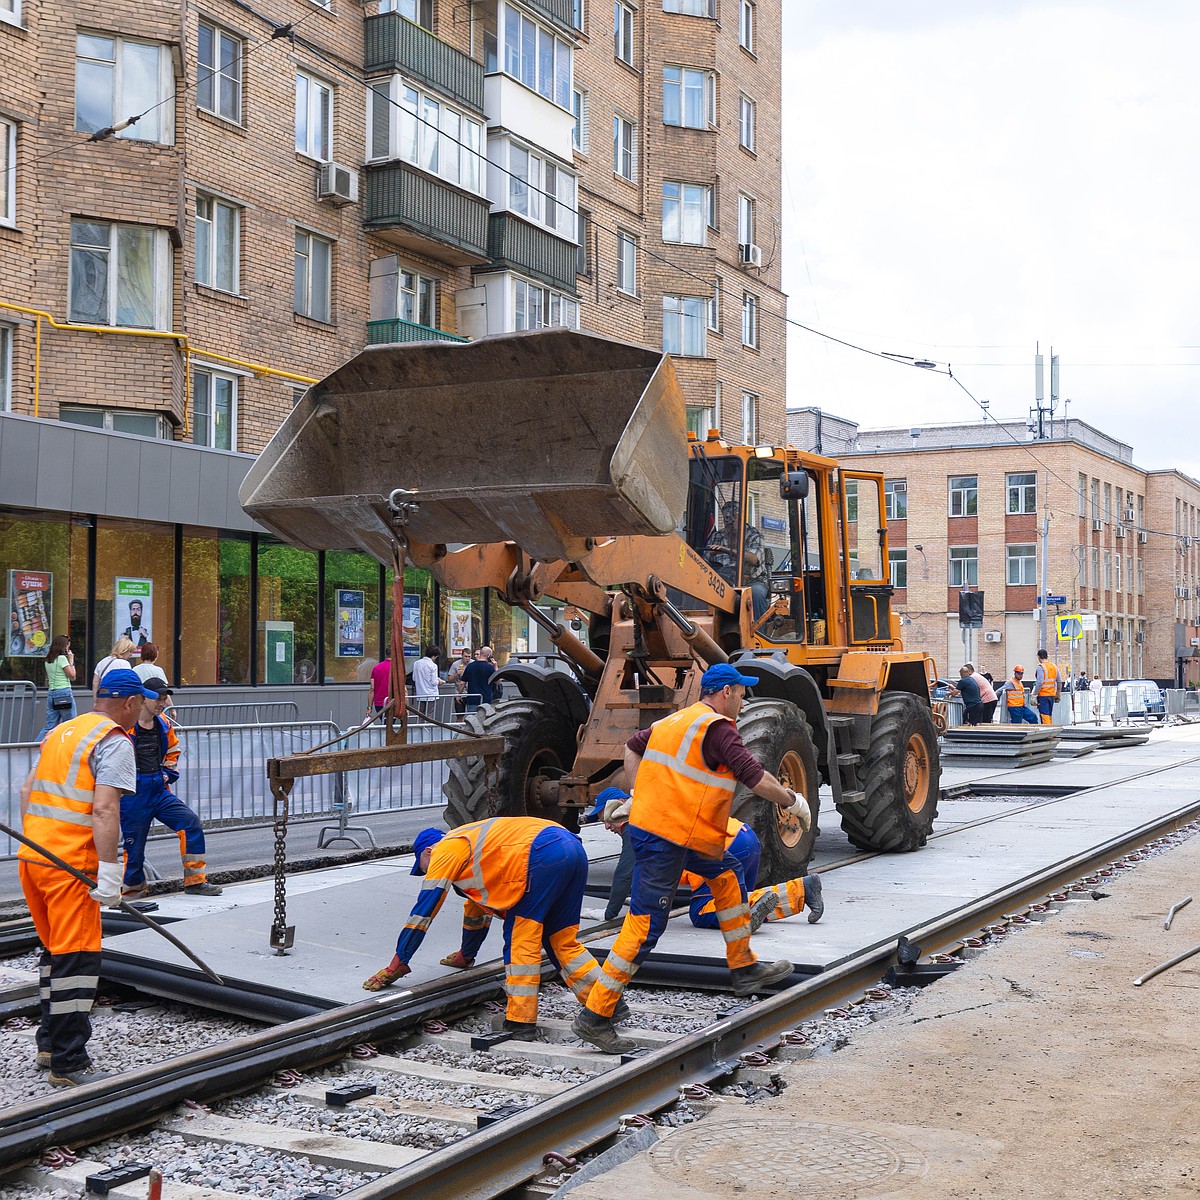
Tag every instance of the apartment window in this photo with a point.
(314, 275)
(538, 307)
(750, 408)
(690, 8)
(898, 568)
(623, 153)
(964, 495)
(420, 12)
(6, 357)
(700, 419)
(214, 409)
(219, 72)
(964, 566)
(1108, 575)
(314, 117)
(626, 262)
(689, 98)
(398, 292)
(536, 57)
(218, 238)
(1022, 564)
(623, 33)
(895, 499)
(10, 11)
(577, 14)
(1141, 573)
(1022, 492)
(119, 275)
(714, 307)
(746, 16)
(8, 171)
(684, 326)
(583, 265)
(746, 220)
(1095, 568)
(1082, 494)
(1108, 502)
(116, 79)
(1129, 573)
(747, 123)
(538, 189)
(1095, 499)
(750, 320)
(116, 420)
(685, 209)
(404, 123)
(579, 110)
(1117, 573)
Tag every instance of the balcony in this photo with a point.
(558, 11)
(413, 211)
(381, 333)
(511, 105)
(516, 245)
(393, 43)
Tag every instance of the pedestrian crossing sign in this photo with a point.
(1070, 628)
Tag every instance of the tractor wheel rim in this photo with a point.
(791, 775)
(916, 773)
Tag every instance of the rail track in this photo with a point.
(454, 1112)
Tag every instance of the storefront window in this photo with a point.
(351, 616)
(418, 623)
(287, 614)
(508, 628)
(201, 609)
(135, 589)
(461, 621)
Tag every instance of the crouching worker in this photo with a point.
(530, 873)
(156, 748)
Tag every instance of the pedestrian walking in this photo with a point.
(455, 676)
(529, 872)
(118, 660)
(156, 749)
(426, 679)
(1015, 704)
(1046, 687)
(477, 679)
(685, 770)
(60, 674)
(71, 805)
(148, 667)
(381, 686)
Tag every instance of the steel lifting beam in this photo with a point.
(331, 762)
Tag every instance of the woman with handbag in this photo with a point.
(60, 672)
(118, 660)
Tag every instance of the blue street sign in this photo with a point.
(776, 523)
(1056, 599)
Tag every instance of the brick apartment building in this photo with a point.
(965, 504)
(308, 178)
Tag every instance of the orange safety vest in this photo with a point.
(497, 872)
(678, 796)
(689, 879)
(59, 815)
(1015, 699)
(1049, 679)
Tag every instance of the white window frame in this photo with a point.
(626, 262)
(701, 418)
(747, 18)
(897, 566)
(691, 8)
(964, 495)
(306, 252)
(891, 509)
(8, 171)
(578, 15)
(714, 307)
(161, 428)
(1024, 490)
(625, 148)
(963, 566)
(6, 366)
(750, 320)
(532, 185)
(161, 271)
(214, 73)
(213, 375)
(419, 12)
(677, 311)
(396, 288)
(1020, 564)
(527, 69)
(10, 12)
(317, 129)
(747, 219)
(623, 33)
(685, 202)
(535, 306)
(751, 415)
(157, 123)
(689, 80)
(747, 123)
(579, 110)
(206, 271)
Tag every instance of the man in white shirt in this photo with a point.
(425, 677)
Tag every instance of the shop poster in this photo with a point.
(29, 606)
(133, 607)
(351, 623)
(460, 624)
(411, 625)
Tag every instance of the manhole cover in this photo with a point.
(800, 1157)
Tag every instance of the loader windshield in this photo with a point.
(713, 520)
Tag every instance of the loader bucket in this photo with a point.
(536, 438)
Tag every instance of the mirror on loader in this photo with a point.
(793, 485)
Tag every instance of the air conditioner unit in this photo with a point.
(1129, 514)
(1120, 531)
(992, 635)
(1194, 642)
(1141, 637)
(1106, 635)
(1143, 536)
(750, 254)
(337, 184)
(1117, 636)
(1097, 525)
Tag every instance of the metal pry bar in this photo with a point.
(1174, 909)
(1171, 962)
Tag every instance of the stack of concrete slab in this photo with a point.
(1005, 747)
(1104, 737)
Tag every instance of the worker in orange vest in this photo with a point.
(529, 872)
(1013, 691)
(685, 770)
(1046, 687)
(71, 806)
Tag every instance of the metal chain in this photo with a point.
(281, 933)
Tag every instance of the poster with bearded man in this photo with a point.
(133, 607)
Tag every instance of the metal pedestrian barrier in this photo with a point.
(19, 710)
(252, 712)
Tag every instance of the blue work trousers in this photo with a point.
(747, 849)
(1023, 716)
(154, 801)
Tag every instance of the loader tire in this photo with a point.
(901, 779)
(778, 735)
(537, 739)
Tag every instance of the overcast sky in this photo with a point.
(966, 178)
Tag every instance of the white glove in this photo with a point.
(800, 810)
(108, 885)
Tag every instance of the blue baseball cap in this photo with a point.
(597, 810)
(421, 843)
(123, 682)
(723, 675)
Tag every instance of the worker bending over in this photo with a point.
(529, 872)
(685, 769)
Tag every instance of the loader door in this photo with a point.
(865, 558)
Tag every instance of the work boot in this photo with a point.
(202, 889)
(43, 1060)
(622, 1012)
(76, 1076)
(761, 909)
(600, 1032)
(759, 976)
(135, 893)
(813, 900)
(518, 1031)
